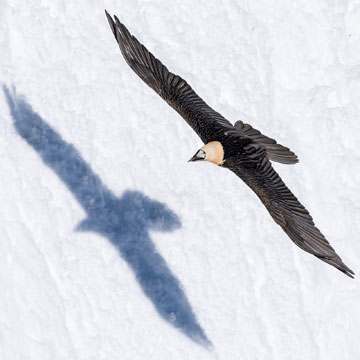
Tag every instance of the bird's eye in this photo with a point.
(201, 154)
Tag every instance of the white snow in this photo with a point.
(289, 68)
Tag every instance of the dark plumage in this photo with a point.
(244, 150)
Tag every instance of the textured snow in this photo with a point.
(112, 245)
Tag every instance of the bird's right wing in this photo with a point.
(172, 88)
(255, 169)
(274, 151)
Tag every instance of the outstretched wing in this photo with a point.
(255, 169)
(172, 88)
(274, 151)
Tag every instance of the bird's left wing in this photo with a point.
(172, 88)
(255, 169)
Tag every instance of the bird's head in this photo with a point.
(212, 151)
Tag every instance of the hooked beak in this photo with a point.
(200, 155)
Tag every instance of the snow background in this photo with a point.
(291, 69)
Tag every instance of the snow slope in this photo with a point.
(112, 245)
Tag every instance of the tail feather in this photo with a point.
(274, 151)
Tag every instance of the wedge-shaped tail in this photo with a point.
(274, 151)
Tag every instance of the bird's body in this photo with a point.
(240, 148)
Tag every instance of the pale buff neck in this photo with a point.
(214, 152)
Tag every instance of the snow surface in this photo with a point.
(112, 245)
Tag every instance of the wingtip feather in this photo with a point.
(111, 23)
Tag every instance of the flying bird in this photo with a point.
(239, 147)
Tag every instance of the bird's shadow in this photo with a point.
(125, 221)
